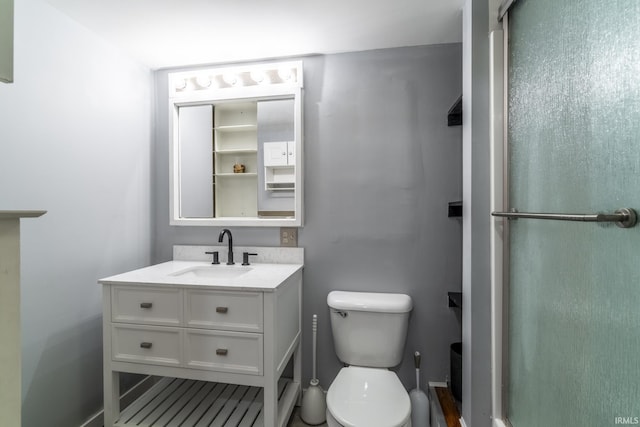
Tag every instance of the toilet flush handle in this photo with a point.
(342, 314)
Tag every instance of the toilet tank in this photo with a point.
(369, 329)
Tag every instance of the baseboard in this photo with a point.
(129, 396)
(438, 384)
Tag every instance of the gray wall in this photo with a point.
(380, 167)
(75, 139)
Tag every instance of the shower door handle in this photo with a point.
(624, 217)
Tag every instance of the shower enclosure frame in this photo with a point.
(499, 230)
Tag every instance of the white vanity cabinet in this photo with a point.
(241, 335)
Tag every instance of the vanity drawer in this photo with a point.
(151, 306)
(222, 310)
(238, 352)
(146, 344)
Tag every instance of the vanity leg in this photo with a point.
(297, 370)
(110, 378)
(270, 404)
(297, 353)
(270, 400)
(111, 398)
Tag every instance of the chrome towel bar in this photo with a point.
(624, 217)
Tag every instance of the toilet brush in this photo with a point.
(314, 403)
(419, 400)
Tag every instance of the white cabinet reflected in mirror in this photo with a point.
(236, 146)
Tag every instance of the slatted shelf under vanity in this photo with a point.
(174, 402)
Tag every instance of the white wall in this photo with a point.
(75, 139)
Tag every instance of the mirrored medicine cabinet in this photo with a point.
(236, 146)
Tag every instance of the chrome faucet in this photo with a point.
(230, 239)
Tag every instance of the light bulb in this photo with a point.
(230, 79)
(286, 74)
(180, 84)
(203, 81)
(259, 77)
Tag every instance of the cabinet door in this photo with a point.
(291, 153)
(275, 153)
(195, 161)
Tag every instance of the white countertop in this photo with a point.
(261, 277)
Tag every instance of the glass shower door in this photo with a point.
(574, 144)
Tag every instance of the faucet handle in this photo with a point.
(215, 257)
(245, 258)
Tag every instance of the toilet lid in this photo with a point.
(368, 397)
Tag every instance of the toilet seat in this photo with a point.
(368, 397)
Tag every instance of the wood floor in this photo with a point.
(449, 407)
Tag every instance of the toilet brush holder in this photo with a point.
(314, 404)
(419, 399)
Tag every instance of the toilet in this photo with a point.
(369, 333)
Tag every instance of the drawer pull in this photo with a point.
(222, 352)
(145, 345)
(146, 305)
(222, 309)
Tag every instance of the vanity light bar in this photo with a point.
(214, 79)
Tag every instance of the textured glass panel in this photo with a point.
(574, 133)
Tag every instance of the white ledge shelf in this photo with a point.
(236, 128)
(236, 175)
(21, 214)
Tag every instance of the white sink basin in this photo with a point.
(213, 271)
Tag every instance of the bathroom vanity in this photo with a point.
(221, 336)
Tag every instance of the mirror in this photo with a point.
(236, 146)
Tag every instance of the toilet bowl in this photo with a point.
(369, 333)
(367, 397)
